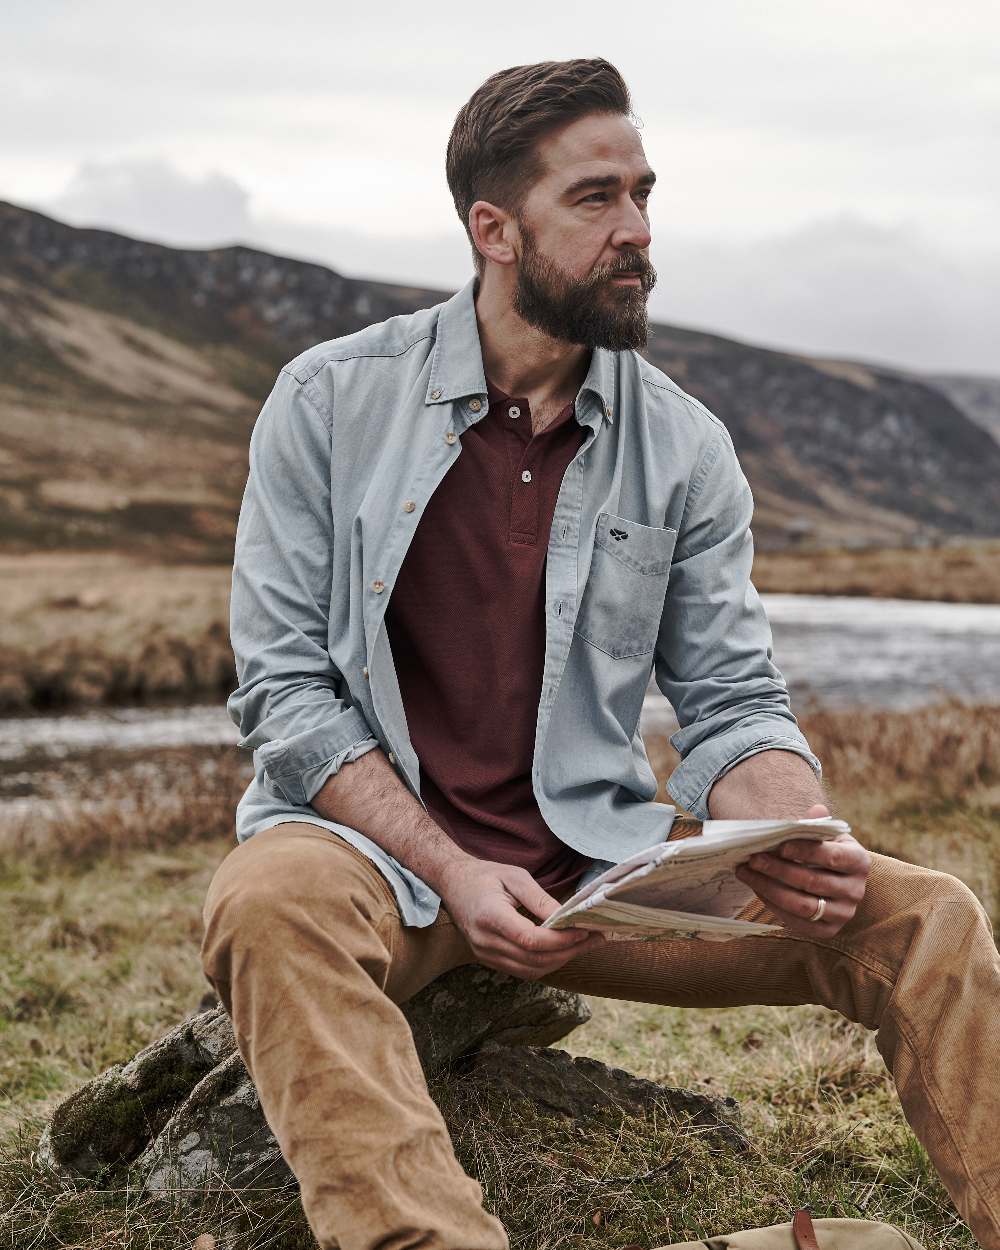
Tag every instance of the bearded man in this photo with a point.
(469, 537)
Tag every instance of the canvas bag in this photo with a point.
(803, 1233)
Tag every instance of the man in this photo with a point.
(469, 536)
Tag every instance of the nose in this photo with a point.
(633, 229)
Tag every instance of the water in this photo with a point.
(834, 652)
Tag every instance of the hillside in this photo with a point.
(133, 372)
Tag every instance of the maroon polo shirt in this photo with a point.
(466, 623)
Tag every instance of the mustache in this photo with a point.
(628, 266)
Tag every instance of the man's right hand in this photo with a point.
(482, 898)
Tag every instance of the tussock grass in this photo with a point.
(100, 921)
(966, 572)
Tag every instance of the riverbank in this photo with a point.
(92, 630)
(963, 573)
(100, 922)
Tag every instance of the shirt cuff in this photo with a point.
(314, 778)
(291, 765)
(693, 778)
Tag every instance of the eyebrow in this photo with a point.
(606, 181)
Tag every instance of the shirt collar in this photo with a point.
(457, 362)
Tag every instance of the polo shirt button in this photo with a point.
(475, 404)
(450, 436)
(526, 475)
(409, 505)
(514, 410)
(436, 393)
(365, 670)
(378, 585)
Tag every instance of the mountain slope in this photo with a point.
(133, 372)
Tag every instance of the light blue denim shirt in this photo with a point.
(647, 571)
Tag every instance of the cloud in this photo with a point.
(153, 199)
(840, 285)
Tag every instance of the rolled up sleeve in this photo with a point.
(713, 652)
(289, 703)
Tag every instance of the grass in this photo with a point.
(965, 572)
(100, 920)
(104, 628)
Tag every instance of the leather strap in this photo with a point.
(803, 1231)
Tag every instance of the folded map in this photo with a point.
(686, 886)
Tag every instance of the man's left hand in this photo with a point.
(795, 875)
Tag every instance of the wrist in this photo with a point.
(447, 864)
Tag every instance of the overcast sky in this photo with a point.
(829, 177)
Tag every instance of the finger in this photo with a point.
(508, 958)
(509, 924)
(816, 812)
(843, 853)
(528, 892)
(796, 905)
(809, 879)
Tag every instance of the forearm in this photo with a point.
(769, 785)
(368, 795)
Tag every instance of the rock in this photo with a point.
(469, 1007)
(559, 1084)
(219, 1131)
(115, 1118)
(184, 1112)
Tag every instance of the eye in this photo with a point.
(645, 192)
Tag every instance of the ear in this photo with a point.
(493, 229)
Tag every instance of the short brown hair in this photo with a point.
(491, 149)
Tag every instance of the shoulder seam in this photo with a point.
(334, 359)
(307, 387)
(691, 402)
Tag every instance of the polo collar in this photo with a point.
(457, 362)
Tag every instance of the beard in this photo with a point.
(591, 311)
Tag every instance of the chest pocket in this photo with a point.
(623, 599)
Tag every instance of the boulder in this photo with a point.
(559, 1084)
(184, 1113)
(119, 1115)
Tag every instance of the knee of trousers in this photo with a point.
(293, 894)
(917, 915)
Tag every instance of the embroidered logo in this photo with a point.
(618, 534)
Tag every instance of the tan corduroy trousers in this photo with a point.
(305, 947)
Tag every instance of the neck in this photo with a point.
(519, 358)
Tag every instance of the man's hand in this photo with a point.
(793, 876)
(482, 898)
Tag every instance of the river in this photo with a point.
(834, 652)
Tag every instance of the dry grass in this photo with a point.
(965, 573)
(96, 629)
(100, 921)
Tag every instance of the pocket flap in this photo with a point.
(647, 549)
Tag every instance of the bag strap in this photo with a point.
(803, 1231)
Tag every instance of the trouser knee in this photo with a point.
(287, 892)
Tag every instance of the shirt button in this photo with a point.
(526, 475)
(378, 585)
(607, 409)
(514, 410)
(475, 404)
(450, 436)
(365, 670)
(392, 758)
(436, 393)
(409, 505)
